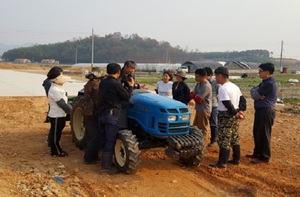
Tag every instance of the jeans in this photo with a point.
(213, 120)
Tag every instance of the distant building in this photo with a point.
(49, 61)
(194, 65)
(237, 65)
(146, 67)
(22, 61)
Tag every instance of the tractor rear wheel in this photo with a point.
(77, 124)
(127, 152)
(195, 160)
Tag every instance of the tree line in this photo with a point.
(117, 48)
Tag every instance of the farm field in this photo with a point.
(27, 169)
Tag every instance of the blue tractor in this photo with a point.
(149, 120)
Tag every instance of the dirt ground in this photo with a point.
(27, 169)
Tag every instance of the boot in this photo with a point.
(223, 158)
(236, 155)
(106, 162)
(91, 157)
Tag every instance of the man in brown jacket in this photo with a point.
(92, 131)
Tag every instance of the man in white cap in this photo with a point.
(59, 108)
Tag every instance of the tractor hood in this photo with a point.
(158, 115)
(151, 99)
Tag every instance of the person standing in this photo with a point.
(93, 133)
(47, 84)
(127, 73)
(231, 105)
(213, 119)
(59, 108)
(111, 94)
(164, 87)
(202, 96)
(264, 96)
(180, 89)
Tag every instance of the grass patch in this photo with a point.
(245, 84)
(292, 101)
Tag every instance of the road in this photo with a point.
(15, 83)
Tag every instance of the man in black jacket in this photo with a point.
(127, 73)
(111, 95)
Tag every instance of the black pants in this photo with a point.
(92, 138)
(262, 129)
(57, 125)
(110, 127)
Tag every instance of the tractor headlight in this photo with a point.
(172, 118)
(186, 117)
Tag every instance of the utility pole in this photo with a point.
(92, 61)
(281, 70)
(76, 56)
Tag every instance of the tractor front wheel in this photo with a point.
(127, 153)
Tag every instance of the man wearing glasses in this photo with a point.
(264, 96)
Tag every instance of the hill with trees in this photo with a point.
(117, 48)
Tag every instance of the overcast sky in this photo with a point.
(206, 25)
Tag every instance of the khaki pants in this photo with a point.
(202, 121)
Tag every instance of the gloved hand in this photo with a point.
(198, 99)
(192, 95)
